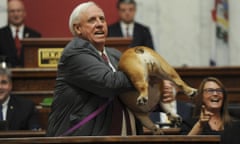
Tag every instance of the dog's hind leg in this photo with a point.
(133, 67)
(141, 84)
(173, 76)
(168, 72)
(180, 83)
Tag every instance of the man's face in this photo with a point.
(127, 12)
(16, 12)
(93, 26)
(5, 87)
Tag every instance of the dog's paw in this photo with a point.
(194, 93)
(157, 131)
(176, 120)
(142, 100)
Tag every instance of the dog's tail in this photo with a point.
(139, 50)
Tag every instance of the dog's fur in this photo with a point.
(140, 64)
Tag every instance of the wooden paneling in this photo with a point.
(38, 83)
(229, 76)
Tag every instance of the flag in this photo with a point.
(220, 54)
(3, 12)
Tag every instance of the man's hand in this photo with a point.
(169, 91)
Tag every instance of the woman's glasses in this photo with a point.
(212, 91)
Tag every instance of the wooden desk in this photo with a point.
(21, 133)
(166, 139)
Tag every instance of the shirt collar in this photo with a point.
(104, 51)
(5, 103)
(130, 25)
(20, 30)
(13, 28)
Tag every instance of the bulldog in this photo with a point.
(143, 65)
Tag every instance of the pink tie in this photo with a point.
(18, 43)
(105, 58)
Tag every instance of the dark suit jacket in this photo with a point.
(184, 109)
(141, 34)
(7, 45)
(230, 134)
(22, 114)
(84, 83)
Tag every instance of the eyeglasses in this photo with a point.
(211, 91)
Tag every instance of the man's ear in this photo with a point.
(77, 28)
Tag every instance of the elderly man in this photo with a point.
(88, 83)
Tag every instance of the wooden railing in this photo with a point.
(38, 83)
(22, 133)
(166, 139)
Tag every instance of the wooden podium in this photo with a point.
(51, 46)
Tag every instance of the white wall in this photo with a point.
(234, 37)
(183, 30)
(3, 14)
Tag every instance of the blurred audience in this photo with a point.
(128, 27)
(17, 113)
(11, 49)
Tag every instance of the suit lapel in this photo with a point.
(10, 111)
(113, 61)
(26, 33)
(119, 30)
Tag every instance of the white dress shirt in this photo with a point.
(124, 28)
(20, 31)
(4, 108)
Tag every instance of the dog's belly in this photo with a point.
(130, 100)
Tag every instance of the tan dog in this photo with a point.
(141, 64)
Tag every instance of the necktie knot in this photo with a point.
(105, 58)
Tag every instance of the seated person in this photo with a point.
(17, 112)
(211, 115)
(183, 109)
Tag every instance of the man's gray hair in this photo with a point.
(6, 72)
(75, 17)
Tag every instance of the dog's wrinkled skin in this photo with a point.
(141, 63)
